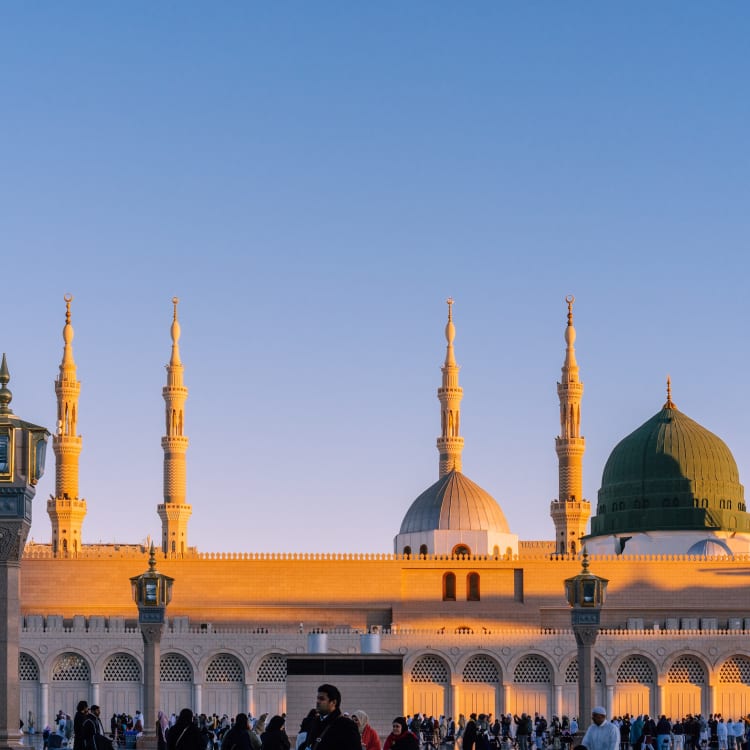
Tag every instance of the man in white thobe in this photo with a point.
(602, 734)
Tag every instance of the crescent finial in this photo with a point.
(570, 299)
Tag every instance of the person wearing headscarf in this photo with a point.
(237, 737)
(184, 735)
(275, 737)
(162, 724)
(370, 739)
(401, 738)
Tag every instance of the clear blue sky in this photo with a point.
(313, 180)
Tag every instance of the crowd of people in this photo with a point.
(327, 727)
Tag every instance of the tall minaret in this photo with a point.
(174, 511)
(570, 512)
(66, 510)
(450, 444)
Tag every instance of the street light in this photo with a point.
(152, 592)
(585, 594)
(22, 452)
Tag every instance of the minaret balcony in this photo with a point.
(175, 442)
(570, 388)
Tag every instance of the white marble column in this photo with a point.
(43, 704)
(506, 697)
(197, 698)
(452, 709)
(658, 708)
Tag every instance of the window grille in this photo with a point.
(429, 669)
(532, 668)
(122, 668)
(636, 669)
(272, 669)
(571, 673)
(225, 668)
(735, 669)
(481, 669)
(70, 668)
(687, 669)
(27, 668)
(175, 668)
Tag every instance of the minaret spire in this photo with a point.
(66, 510)
(450, 444)
(5, 394)
(669, 403)
(570, 512)
(174, 511)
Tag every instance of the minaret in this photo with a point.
(66, 510)
(450, 444)
(174, 511)
(570, 512)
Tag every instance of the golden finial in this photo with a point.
(585, 560)
(450, 330)
(175, 302)
(669, 404)
(570, 299)
(68, 299)
(152, 559)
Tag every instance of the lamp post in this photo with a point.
(152, 591)
(585, 594)
(22, 452)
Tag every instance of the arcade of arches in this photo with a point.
(477, 682)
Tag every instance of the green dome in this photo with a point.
(671, 474)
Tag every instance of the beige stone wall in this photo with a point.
(362, 590)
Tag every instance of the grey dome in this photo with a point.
(454, 503)
(710, 548)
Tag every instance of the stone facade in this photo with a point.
(674, 631)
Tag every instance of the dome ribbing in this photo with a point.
(671, 474)
(454, 503)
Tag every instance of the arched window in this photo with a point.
(461, 550)
(407, 551)
(449, 587)
(472, 587)
(423, 549)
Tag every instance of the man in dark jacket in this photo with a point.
(82, 713)
(331, 730)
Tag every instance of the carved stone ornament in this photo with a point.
(586, 636)
(12, 539)
(151, 633)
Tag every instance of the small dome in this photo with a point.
(710, 548)
(670, 474)
(454, 503)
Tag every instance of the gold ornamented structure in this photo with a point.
(450, 444)
(570, 512)
(66, 510)
(174, 511)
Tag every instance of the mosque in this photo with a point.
(473, 618)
